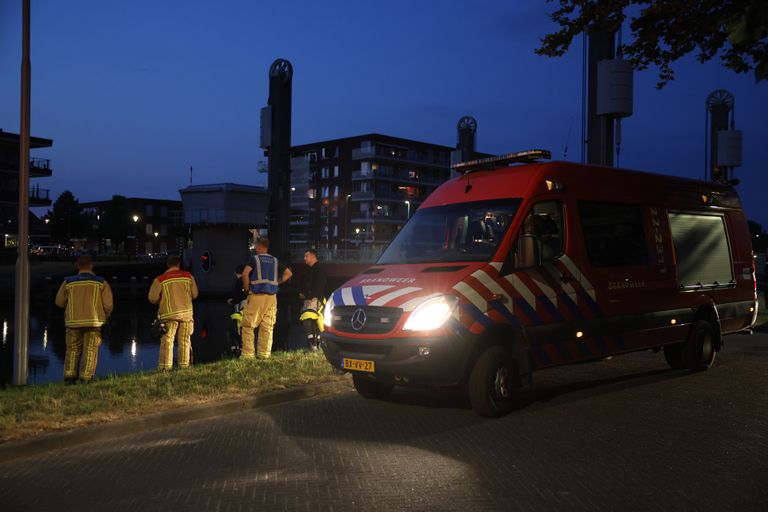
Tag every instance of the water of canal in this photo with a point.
(127, 344)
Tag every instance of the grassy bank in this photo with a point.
(31, 410)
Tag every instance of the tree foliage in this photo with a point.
(665, 30)
(67, 220)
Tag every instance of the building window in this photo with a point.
(336, 191)
(148, 247)
(335, 230)
(163, 211)
(324, 173)
(311, 193)
(148, 229)
(336, 171)
(163, 230)
(148, 210)
(325, 192)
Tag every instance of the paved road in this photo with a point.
(623, 434)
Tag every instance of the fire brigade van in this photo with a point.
(519, 265)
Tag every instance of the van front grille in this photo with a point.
(365, 319)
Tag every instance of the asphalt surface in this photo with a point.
(622, 434)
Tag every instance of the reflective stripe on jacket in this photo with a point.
(87, 300)
(263, 277)
(174, 291)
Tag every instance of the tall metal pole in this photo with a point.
(21, 324)
(601, 46)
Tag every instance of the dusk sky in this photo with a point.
(134, 93)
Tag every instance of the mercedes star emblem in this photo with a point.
(358, 319)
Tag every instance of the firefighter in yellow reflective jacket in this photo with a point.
(174, 291)
(260, 278)
(87, 300)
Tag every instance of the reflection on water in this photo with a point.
(127, 345)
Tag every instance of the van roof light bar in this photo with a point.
(494, 162)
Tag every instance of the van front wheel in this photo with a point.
(674, 356)
(494, 384)
(699, 349)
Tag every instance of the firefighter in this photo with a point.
(262, 278)
(88, 302)
(313, 295)
(174, 290)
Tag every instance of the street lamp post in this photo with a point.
(135, 235)
(346, 219)
(408, 204)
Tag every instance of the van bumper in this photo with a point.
(400, 361)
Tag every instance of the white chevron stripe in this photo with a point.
(538, 279)
(493, 286)
(411, 304)
(496, 264)
(471, 295)
(374, 289)
(529, 297)
(568, 289)
(579, 275)
(346, 297)
(382, 301)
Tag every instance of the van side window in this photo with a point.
(541, 238)
(613, 234)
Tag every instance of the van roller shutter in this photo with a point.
(701, 250)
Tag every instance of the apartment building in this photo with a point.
(9, 186)
(355, 193)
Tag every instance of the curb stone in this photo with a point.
(57, 440)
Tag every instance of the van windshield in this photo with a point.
(457, 232)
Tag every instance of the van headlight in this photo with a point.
(327, 313)
(431, 314)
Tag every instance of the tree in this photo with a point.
(115, 222)
(67, 219)
(665, 30)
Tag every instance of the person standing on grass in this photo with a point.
(262, 278)
(174, 291)
(87, 300)
(313, 295)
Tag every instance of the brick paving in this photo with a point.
(623, 434)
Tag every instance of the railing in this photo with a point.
(39, 194)
(392, 174)
(400, 155)
(40, 163)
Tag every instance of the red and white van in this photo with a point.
(514, 268)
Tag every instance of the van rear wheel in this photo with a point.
(699, 349)
(370, 388)
(494, 384)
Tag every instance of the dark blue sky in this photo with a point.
(134, 93)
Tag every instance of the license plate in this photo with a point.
(359, 365)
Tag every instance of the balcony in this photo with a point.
(370, 218)
(37, 197)
(38, 167)
(400, 176)
(360, 195)
(401, 155)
